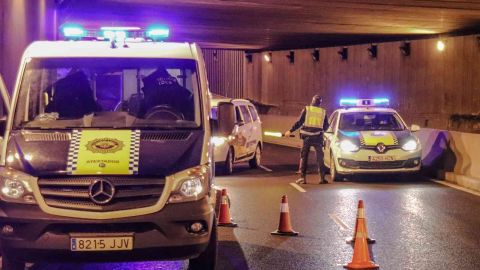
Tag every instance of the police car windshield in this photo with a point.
(359, 121)
(61, 93)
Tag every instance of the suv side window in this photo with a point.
(253, 112)
(246, 115)
(238, 116)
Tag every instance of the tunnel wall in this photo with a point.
(225, 69)
(426, 87)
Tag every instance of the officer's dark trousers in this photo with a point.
(317, 143)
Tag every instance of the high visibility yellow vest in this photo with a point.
(314, 117)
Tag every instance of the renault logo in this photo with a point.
(101, 191)
(381, 148)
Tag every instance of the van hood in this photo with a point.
(158, 153)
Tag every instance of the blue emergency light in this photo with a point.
(72, 31)
(158, 32)
(351, 102)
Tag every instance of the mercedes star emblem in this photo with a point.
(101, 191)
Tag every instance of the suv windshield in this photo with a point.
(358, 121)
(58, 93)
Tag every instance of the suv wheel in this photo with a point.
(257, 158)
(10, 264)
(228, 165)
(207, 259)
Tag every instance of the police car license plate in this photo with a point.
(101, 243)
(381, 158)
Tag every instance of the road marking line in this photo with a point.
(265, 168)
(297, 187)
(339, 222)
(455, 186)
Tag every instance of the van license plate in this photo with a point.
(101, 243)
(381, 158)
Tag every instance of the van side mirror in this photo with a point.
(414, 128)
(226, 118)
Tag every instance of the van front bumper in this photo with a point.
(163, 235)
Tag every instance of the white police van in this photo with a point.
(244, 143)
(106, 152)
(367, 137)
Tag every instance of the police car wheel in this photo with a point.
(333, 172)
(10, 264)
(208, 258)
(228, 165)
(257, 158)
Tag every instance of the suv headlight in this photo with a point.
(15, 186)
(348, 146)
(218, 141)
(191, 184)
(410, 145)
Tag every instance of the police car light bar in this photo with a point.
(158, 32)
(73, 31)
(364, 102)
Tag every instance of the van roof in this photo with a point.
(103, 49)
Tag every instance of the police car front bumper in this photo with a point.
(370, 162)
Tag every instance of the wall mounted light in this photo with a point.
(249, 57)
(268, 57)
(405, 48)
(373, 50)
(316, 55)
(440, 45)
(343, 53)
(291, 57)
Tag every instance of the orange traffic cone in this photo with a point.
(361, 255)
(224, 218)
(284, 226)
(360, 215)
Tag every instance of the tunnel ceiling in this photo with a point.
(268, 24)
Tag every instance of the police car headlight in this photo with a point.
(348, 146)
(410, 145)
(15, 187)
(191, 187)
(218, 141)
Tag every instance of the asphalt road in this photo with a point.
(418, 224)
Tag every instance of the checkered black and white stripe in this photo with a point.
(134, 152)
(73, 151)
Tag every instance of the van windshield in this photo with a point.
(62, 93)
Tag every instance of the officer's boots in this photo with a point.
(323, 180)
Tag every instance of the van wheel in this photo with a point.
(257, 158)
(208, 258)
(10, 264)
(228, 165)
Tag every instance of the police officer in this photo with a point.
(312, 123)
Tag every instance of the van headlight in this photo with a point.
(348, 146)
(191, 187)
(15, 187)
(410, 145)
(191, 184)
(218, 141)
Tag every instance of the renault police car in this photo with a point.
(365, 136)
(245, 141)
(106, 153)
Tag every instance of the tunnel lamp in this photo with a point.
(268, 57)
(440, 45)
(405, 48)
(316, 55)
(373, 50)
(291, 57)
(343, 53)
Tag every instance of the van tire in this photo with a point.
(10, 264)
(257, 158)
(227, 167)
(207, 259)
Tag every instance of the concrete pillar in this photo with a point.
(22, 22)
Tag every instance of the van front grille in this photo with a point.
(75, 192)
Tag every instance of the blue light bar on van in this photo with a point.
(118, 35)
(73, 31)
(158, 32)
(351, 102)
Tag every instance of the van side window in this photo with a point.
(237, 114)
(246, 115)
(253, 112)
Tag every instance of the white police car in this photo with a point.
(366, 136)
(245, 142)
